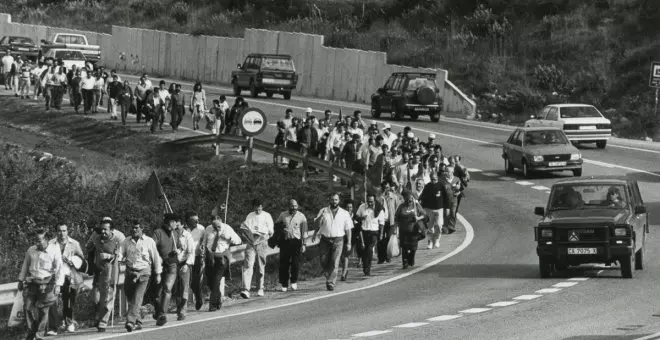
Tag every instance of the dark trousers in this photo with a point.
(58, 96)
(382, 244)
(177, 116)
(139, 107)
(75, 99)
(408, 243)
(88, 100)
(196, 282)
(48, 96)
(450, 216)
(135, 287)
(458, 203)
(290, 255)
(215, 270)
(158, 119)
(68, 302)
(164, 295)
(370, 240)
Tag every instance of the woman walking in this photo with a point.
(197, 104)
(408, 214)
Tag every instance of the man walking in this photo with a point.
(7, 62)
(178, 107)
(334, 223)
(69, 248)
(140, 97)
(217, 239)
(87, 92)
(258, 228)
(24, 80)
(390, 200)
(196, 230)
(186, 261)
(168, 245)
(114, 91)
(451, 189)
(141, 258)
(75, 92)
(372, 215)
(292, 244)
(432, 200)
(40, 280)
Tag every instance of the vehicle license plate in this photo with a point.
(588, 127)
(421, 109)
(557, 163)
(582, 251)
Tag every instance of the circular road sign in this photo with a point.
(252, 122)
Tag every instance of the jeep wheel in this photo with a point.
(253, 91)
(526, 172)
(601, 144)
(287, 95)
(435, 117)
(237, 90)
(546, 267)
(639, 259)
(508, 167)
(269, 94)
(414, 116)
(628, 265)
(577, 172)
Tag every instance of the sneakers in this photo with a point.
(129, 327)
(70, 328)
(51, 333)
(330, 287)
(260, 292)
(245, 294)
(161, 320)
(198, 304)
(294, 286)
(284, 289)
(430, 245)
(180, 317)
(437, 243)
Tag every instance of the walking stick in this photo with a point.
(226, 200)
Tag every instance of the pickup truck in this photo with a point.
(72, 42)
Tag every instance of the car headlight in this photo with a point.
(538, 158)
(575, 156)
(546, 233)
(620, 231)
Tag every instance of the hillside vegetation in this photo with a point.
(513, 55)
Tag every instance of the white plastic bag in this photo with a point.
(17, 315)
(393, 249)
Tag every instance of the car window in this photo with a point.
(69, 55)
(417, 82)
(512, 137)
(516, 139)
(397, 82)
(278, 64)
(545, 137)
(545, 111)
(390, 83)
(70, 39)
(552, 114)
(21, 40)
(589, 196)
(3, 41)
(580, 112)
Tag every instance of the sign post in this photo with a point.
(654, 81)
(252, 122)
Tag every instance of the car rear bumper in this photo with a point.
(422, 109)
(605, 252)
(277, 88)
(584, 136)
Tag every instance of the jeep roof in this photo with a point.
(269, 55)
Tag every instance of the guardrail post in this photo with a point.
(250, 146)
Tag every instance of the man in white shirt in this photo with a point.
(16, 74)
(7, 62)
(186, 258)
(257, 228)
(217, 239)
(196, 230)
(388, 136)
(164, 98)
(372, 215)
(334, 223)
(87, 91)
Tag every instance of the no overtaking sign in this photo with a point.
(252, 122)
(655, 75)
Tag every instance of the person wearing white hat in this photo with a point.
(388, 136)
(308, 113)
(430, 143)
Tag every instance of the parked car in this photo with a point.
(408, 94)
(592, 220)
(582, 123)
(269, 73)
(72, 42)
(18, 45)
(69, 57)
(542, 149)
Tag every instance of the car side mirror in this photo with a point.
(239, 66)
(539, 211)
(640, 209)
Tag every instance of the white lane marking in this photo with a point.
(547, 192)
(503, 304)
(474, 170)
(578, 279)
(632, 148)
(412, 325)
(540, 187)
(527, 297)
(504, 178)
(445, 317)
(524, 183)
(489, 174)
(469, 237)
(599, 163)
(565, 284)
(475, 310)
(547, 290)
(371, 333)
(649, 337)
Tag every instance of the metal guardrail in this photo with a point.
(8, 290)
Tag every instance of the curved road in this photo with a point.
(499, 267)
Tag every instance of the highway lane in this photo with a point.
(499, 265)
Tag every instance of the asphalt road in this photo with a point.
(499, 266)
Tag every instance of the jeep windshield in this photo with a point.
(588, 196)
(417, 82)
(579, 112)
(278, 64)
(545, 137)
(69, 55)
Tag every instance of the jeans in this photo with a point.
(182, 289)
(106, 302)
(382, 244)
(330, 249)
(370, 240)
(134, 286)
(215, 271)
(450, 217)
(69, 295)
(164, 295)
(125, 106)
(177, 116)
(158, 119)
(88, 100)
(36, 314)
(290, 255)
(254, 252)
(96, 100)
(24, 87)
(196, 283)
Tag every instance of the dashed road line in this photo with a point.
(527, 297)
(503, 304)
(474, 310)
(565, 284)
(489, 174)
(474, 170)
(547, 290)
(445, 317)
(540, 187)
(578, 279)
(505, 178)
(524, 183)
(412, 325)
(371, 333)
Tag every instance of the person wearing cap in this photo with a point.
(259, 227)
(71, 252)
(40, 281)
(388, 136)
(105, 246)
(114, 91)
(308, 113)
(168, 245)
(407, 216)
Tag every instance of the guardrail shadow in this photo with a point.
(485, 271)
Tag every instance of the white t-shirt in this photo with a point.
(7, 61)
(98, 83)
(87, 83)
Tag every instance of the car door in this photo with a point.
(392, 93)
(243, 75)
(506, 147)
(516, 149)
(384, 99)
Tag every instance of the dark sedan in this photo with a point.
(22, 46)
(542, 149)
